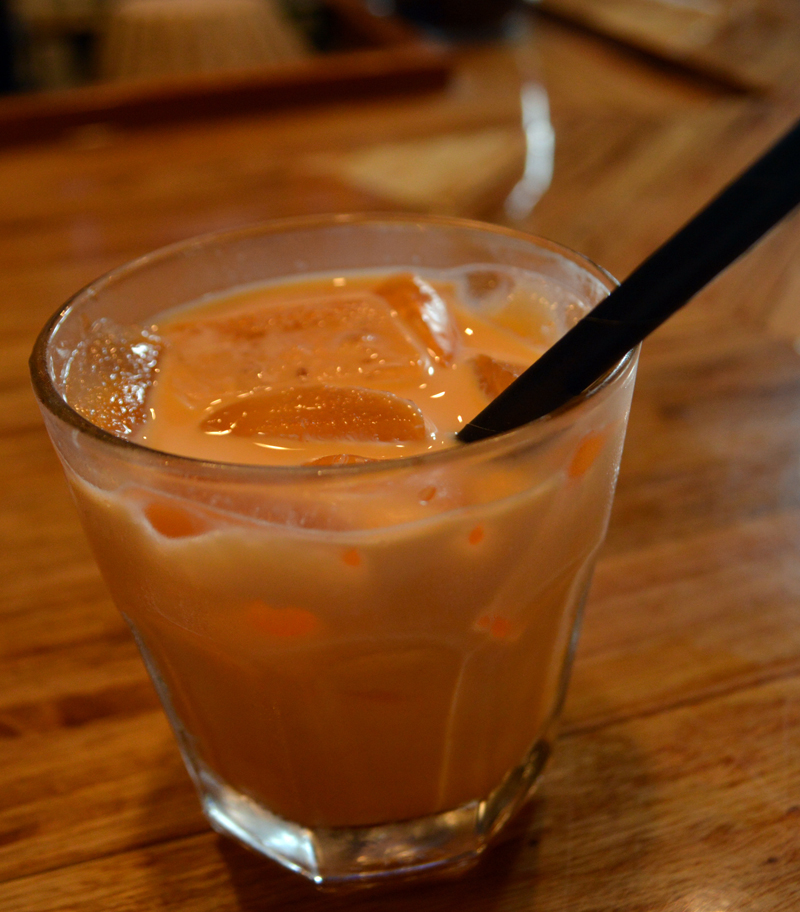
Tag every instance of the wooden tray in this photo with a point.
(387, 56)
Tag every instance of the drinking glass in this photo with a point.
(363, 664)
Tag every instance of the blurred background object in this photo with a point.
(54, 41)
(456, 17)
(537, 129)
(152, 38)
(57, 44)
(330, 50)
(8, 80)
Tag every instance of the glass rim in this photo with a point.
(50, 398)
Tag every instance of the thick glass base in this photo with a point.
(339, 857)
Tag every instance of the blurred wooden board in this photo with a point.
(747, 45)
(465, 173)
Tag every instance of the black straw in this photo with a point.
(665, 281)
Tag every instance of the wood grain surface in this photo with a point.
(675, 784)
(744, 44)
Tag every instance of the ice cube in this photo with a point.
(526, 304)
(493, 375)
(109, 374)
(424, 312)
(319, 412)
(345, 341)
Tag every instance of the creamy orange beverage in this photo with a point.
(388, 366)
(359, 628)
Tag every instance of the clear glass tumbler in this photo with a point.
(362, 664)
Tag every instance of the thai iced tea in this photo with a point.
(354, 622)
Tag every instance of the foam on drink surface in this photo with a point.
(328, 370)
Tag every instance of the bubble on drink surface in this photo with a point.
(424, 311)
(348, 340)
(109, 374)
(319, 412)
(173, 520)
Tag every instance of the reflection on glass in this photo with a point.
(539, 151)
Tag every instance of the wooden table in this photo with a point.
(675, 784)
